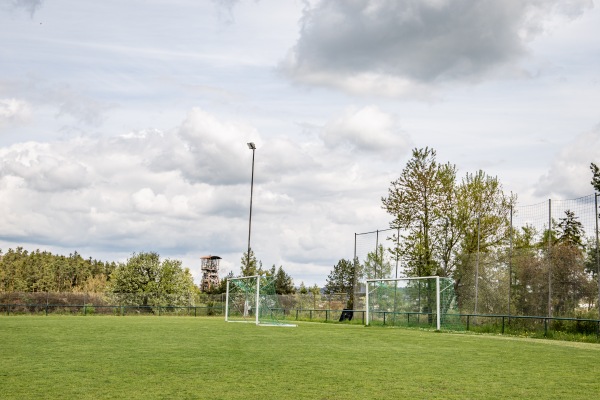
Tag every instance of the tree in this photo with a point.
(530, 273)
(252, 268)
(571, 230)
(377, 265)
(42, 271)
(570, 281)
(283, 282)
(442, 219)
(415, 201)
(303, 289)
(341, 280)
(315, 290)
(596, 177)
(154, 281)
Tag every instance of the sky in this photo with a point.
(124, 124)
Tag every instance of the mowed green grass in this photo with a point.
(71, 357)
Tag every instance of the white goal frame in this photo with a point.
(257, 299)
(260, 300)
(437, 295)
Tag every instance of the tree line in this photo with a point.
(143, 274)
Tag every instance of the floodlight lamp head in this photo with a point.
(251, 146)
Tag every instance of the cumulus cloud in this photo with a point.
(14, 110)
(403, 48)
(569, 175)
(186, 191)
(205, 149)
(366, 130)
(41, 168)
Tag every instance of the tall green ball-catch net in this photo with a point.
(253, 299)
(426, 302)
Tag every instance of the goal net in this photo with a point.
(428, 302)
(253, 299)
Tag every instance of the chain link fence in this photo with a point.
(530, 273)
(303, 306)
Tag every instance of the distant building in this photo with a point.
(210, 272)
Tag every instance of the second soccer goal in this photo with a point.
(421, 302)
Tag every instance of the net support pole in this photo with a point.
(367, 302)
(510, 255)
(227, 302)
(437, 302)
(597, 250)
(257, 311)
(549, 257)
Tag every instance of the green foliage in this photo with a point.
(571, 230)
(41, 271)
(222, 287)
(415, 201)
(155, 282)
(377, 265)
(250, 266)
(283, 282)
(303, 289)
(342, 279)
(441, 218)
(596, 177)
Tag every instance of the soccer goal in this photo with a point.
(422, 302)
(253, 299)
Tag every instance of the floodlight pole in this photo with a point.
(252, 147)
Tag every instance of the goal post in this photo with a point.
(427, 301)
(253, 299)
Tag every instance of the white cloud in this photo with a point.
(569, 175)
(187, 190)
(403, 48)
(41, 168)
(366, 130)
(207, 150)
(14, 110)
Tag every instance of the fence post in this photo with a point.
(503, 324)
(597, 250)
(468, 320)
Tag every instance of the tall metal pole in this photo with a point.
(252, 147)
(477, 266)
(549, 257)
(597, 251)
(355, 278)
(376, 254)
(398, 251)
(510, 254)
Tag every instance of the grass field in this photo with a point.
(66, 357)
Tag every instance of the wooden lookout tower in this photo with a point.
(210, 272)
